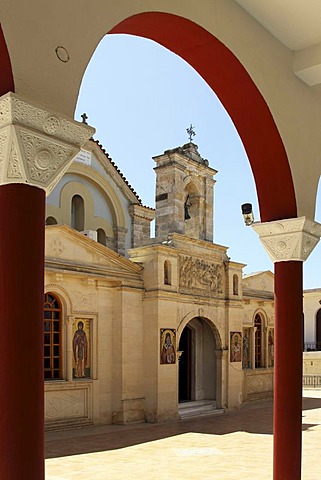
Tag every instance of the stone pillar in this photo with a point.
(289, 243)
(141, 218)
(69, 353)
(209, 209)
(36, 147)
(253, 348)
(120, 239)
(220, 379)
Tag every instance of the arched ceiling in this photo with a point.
(49, 44)
(297, 24)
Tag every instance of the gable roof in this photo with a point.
(68, 249)
(259, 282)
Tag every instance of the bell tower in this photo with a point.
(184, 193)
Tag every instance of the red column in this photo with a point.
(288, 370)
(22, 215)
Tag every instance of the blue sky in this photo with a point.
(140, 97)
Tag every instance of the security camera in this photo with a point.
(247, 213)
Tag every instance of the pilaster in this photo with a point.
(141, 218)
(120, 239)
(69, 352)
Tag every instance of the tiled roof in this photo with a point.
(110, 160)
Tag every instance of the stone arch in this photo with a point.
(91, 222)
(62, 295)
(64, 298)
(211, 323)
(77, 212)
(193, 184)
(105, 186)
(200, 367)
(227, 77)
(260, 338)
(51, 220)
(6, 78)
(263, 315)
(67, 193)
(167, 272)
(101, 236)
(235, 284)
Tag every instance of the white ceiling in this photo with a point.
(297, 24)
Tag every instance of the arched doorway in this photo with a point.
(197, 376)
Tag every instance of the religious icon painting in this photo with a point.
(235, 346)
(271, 348)
(167, 346)
(246, 345)
(81, 349)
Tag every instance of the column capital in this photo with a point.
(36, 145)
(292, 239)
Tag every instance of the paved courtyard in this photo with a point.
(234, 445)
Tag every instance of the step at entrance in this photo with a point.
(198, 408)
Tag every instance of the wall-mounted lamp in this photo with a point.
(247, 213)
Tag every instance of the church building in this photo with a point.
(140, 328)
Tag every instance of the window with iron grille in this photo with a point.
(258, 341)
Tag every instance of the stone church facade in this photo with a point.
(137, 327)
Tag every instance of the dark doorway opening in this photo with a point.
(185, 366)
(318, 331)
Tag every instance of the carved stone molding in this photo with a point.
(36, 146)
(290, 239)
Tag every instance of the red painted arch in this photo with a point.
(6, 77)
(236, 90)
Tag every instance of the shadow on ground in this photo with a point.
(254, 418)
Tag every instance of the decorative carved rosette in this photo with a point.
(290, 239)
(36, 146)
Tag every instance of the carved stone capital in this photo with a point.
(290, 239)
(36, 146)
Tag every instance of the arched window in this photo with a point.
(101, 236)
(187, 205)
(235, 285)
(258, 341)
(51, 221)
(167, 273)
(52, 337)
(77, 213)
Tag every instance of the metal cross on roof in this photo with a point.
(191, 132)
(84, 118)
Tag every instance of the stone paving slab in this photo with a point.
(235, 445)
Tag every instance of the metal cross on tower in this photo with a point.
(191, 132)
(84, 118)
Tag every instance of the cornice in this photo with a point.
(36, 146)
(14, 110)
(292, 239)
